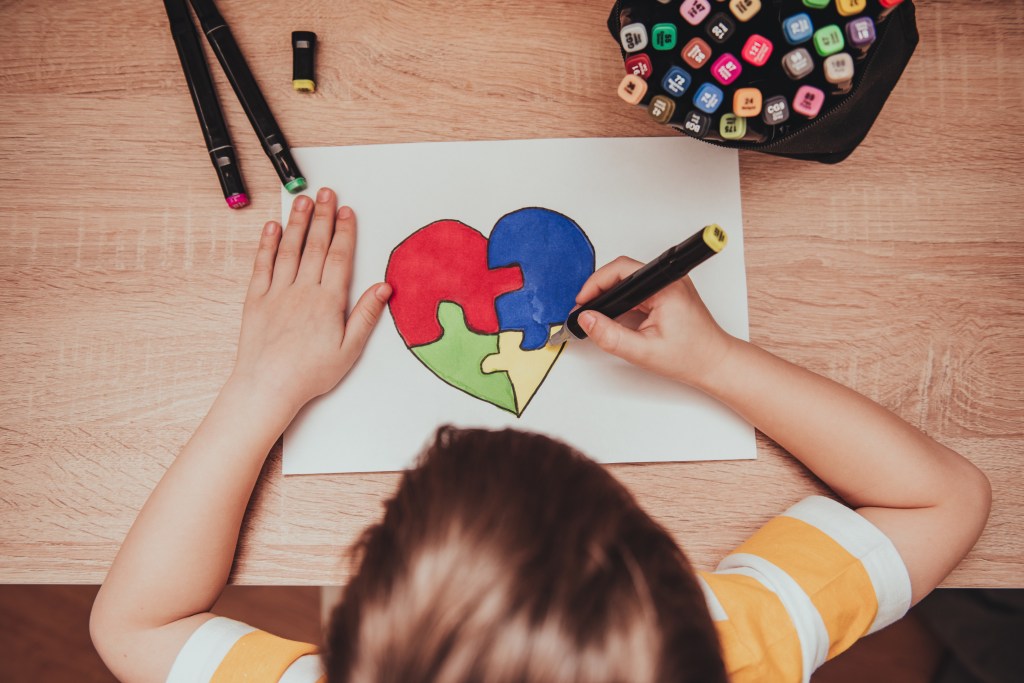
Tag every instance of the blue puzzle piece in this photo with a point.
(556, 258)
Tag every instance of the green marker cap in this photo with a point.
(297, 185)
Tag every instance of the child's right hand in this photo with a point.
(678, 338)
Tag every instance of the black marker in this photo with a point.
(204, 99)
(248, 93)
(671, 266)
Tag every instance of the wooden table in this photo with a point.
(899, 272)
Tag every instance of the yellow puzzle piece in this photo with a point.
(526, 369)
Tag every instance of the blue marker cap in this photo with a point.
(676, 81)
(708, 98)
(798, 28)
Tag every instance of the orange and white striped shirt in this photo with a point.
(798, 592)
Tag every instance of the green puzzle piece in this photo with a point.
(456, 358)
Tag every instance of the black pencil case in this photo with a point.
(848, 110)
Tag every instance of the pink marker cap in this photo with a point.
(808, 101)
(238, 201)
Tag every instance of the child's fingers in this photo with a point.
(263, 267)
(338, 268)
(606, 277)
(311, 266)
(363, 319)
(614, 338)
(290, 250)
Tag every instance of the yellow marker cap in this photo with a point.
(715, 237)
(304, 85)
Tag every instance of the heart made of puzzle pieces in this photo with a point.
(478, 312)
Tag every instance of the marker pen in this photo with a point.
(204, 99)
(775, 110)
(249, 94)
(839, 72)
(696, 54)
(671, 266)
(661, 108)
(639, 65)
(696, 123)
(747, 102)
(720, 27)
(808, 101)
(676, 81)
(632, 88)
(860, 34)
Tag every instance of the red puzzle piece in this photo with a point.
(445, 261)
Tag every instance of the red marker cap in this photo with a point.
(639, 65)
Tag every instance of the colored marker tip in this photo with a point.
(297, 185)
(238, 201)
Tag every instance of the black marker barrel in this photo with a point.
(671, 266)
(249, 94)
(204, 99)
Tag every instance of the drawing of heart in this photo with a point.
(477, 312)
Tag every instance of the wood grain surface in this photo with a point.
(899, 272)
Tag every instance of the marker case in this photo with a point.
(847, 110)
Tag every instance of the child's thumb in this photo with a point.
(612, 337)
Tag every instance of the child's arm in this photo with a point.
(931, 502)
(295, 344)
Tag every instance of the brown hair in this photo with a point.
(509, 557)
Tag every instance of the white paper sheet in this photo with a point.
(631, 196)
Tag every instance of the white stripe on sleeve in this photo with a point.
(867, 543)
(714, 606)
(810, 628)
(205, 649)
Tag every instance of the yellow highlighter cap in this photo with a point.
(304, 85)
(715, 237)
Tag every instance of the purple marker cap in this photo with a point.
(860, 33)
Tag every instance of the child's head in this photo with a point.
(507, 556)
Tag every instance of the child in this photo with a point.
(508, 557)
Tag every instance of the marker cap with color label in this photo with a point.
(744, 10)
(676, 81)
(732, 127)
(798, 63)
(839, 70)
(661, 108)
(708, 98)
(633, 37)
(798, 28)
(696, 53)
(828, 40)
(696, 123)
(746, 102)
(663, 36)
(860, 33)
(726, 69)
(720, 27)
(775, 110)
(632, 88)
(694, 11)
(639, 65)
(808, 101)
(756, 50)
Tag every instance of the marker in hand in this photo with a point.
(671, 266)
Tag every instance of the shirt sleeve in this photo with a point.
(227, 651)
(803, 589)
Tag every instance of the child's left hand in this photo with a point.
(296, 341)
